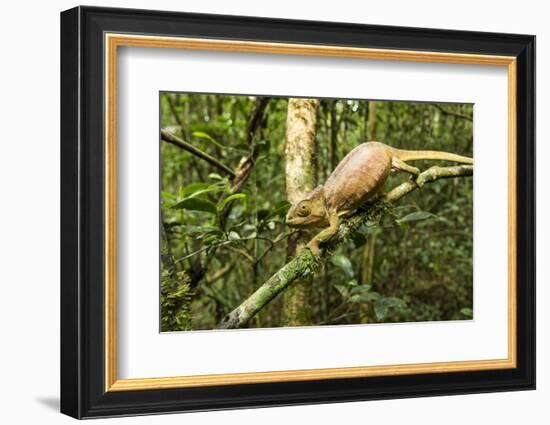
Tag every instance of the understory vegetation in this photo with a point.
(224, 197)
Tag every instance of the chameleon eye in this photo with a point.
(303, 211)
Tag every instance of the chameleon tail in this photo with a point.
(405, 155)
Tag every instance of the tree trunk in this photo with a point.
(333, 146)
(367, 260)
(372, 122)
(367, 257)
(300, 179)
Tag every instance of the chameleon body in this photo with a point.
(358, 178)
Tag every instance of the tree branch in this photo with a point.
(305, 263)
(244, 169)
(176, 141)
(254, 125)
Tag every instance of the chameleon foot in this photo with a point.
(419, 182)
(314, 248)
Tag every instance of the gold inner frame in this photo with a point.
(113, 41)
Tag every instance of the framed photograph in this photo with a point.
(261, 212)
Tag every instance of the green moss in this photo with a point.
(263, 297)
(176, 296)
(302, 265)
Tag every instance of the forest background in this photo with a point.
(231, 164)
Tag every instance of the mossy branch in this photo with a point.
(305, 263)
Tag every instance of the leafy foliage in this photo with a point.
(415, 265)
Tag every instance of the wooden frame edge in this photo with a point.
(110, 213)
(137, 384)
(512, 212)
(113, 40)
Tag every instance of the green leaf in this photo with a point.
(168, 196)
(343, 263)
(209, 239)
(202, 135)
(168, 199)
(230, 198)
(196, 204)
(279, 210)
(282, 204)
(246, 227)
(262, 214)
(383, 304)
(233, 236)
(206, 136)
(193, 187)
(196, 189)
(468, 312)
(416, 216)
(242, 147)
(359, 289)
(380, 309)
(364, 298)
(342, 289)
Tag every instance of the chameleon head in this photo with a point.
(309, 212)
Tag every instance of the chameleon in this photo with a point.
(359, 177)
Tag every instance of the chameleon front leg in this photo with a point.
(324, 235)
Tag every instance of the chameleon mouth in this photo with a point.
(290, 222)
(293, 222)
(299, 223)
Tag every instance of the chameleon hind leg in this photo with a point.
(324, 235)
(398, 164)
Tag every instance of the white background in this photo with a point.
(256, 350)
(29, 229)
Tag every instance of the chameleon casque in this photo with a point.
(358, 177)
